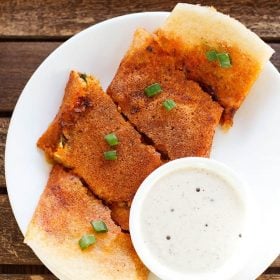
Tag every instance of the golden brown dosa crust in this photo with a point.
(188, 129)
(229, 86)
(192, 30)
(120, 214)
(62, 216)
(65, 191)
(88, 114)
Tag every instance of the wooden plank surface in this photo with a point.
(269, 277)
(23, 269)
(46, 18)
(276, 263)
(4, 122)
(19, 60)
(29, 277)
(13, 250)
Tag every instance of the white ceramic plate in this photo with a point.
(251, 147)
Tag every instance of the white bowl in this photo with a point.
(239, 257)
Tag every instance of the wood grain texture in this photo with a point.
(19, 60)
(46, 18)
(269, 277)
(4, 122)
(27, 277)
(276, 263)
(12, 248)
(23, 269)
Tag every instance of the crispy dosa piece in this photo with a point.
(192, 30)
(186, 130)
(120, 214)
(76, 140)
(62, 217)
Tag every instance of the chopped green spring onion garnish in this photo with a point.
(211, 55)
(83, 76)
(112, 139)
(169, 104)
(153, 90)
(224, 60)
(110, 155)
(99, 226)
(86, 241)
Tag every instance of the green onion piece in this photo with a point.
(99, 226)
(211, 55)
(169, 104)
(224, 60)
(153, 90)
(110, 155)
(83, 76)
(112, 139)
(86, 241)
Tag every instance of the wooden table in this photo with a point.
(30, 30)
